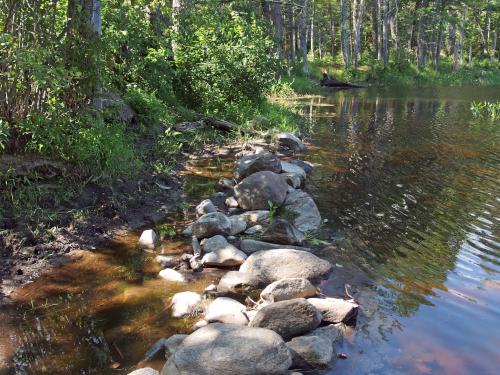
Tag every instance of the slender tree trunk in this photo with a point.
(494, 47)
(332, 29)
(393, 22)
(462, 34)
(375, 33)
(292, 39)
(320, 52)
(303, 36)
(266, 11)
(486, 31)
(358, 9)
(439, 39)
(380, 32)
(386, 31)
(344, 32)
(312, 29)
(470, 54)
(414, 28)
(421, 47)
(453, 39)
(278, 31)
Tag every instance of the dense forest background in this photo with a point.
(70, 68)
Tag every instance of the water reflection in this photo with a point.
(409, 181)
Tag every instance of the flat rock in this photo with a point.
(310, 351)
(211, 224)
(250, 246)
(285, 289)
(302, 210)
(291, 141)
(185, 303)
(170, 274)
(226, 310)
(262, 161)
(335, 310)
(238, 225)
(238, 282)
(258, 190)
(282, 232)
(214, 243)
(288, 318)
(149, 239)
(225, 349)
(205, 207)
(276, 264)
(227, 256)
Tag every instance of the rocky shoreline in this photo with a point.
(267, 314)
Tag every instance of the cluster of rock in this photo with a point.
(291, 326)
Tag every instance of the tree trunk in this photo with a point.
(421, 46)
(344, 32)
(358, 9)
(453, 39)
(393, 23)
(178, 7)
(375, 34)
(303, 36)
(278, 31)
(462, 34)
(414, 28)
(439, 39)
(312, 29)
(380, 32)
(332, 29)
(494, 47)
(386, 31)
(486, 31)
(292, 39)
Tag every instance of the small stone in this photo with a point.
(301, 207)
(335, 310)
(205, 207)
(211, 288)
(226, 310)
(238, 282)
(214, 243)
(170, 274)
(166, 261)
(149, 239)
(305, 165)
(188, 231)
(285, 289)
(256, 216)
(310, 351)
(255, 230)
(281, 231)
(260, 189)
(227, 256)
(238, 225)
(185, 303)
(226, 183)
(231, 202)
(200, 324)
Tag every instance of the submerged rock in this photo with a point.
(238, 282)
(185, 303)
(149, 239)
(285, 289)
(260, 189)
(288, 318)
(205, 207)
(230, 349)
(310, 351)
(335, 310)
(262, 161)
(211, 224)
(282, 232)
(226, 310)
(303, 211)
(276, 264)
(291, 141)
(250, 246)
(170, 274)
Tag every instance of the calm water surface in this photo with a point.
(409, 183)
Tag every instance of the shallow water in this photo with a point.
(408, 181)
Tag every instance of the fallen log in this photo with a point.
(335, 83)
(219, 124)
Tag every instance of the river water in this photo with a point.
(409, 183)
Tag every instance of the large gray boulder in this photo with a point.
(224, 349)
(226, 256)
(256, 191)
(310, 351)
(226, 310)
(293, 172)
(250, 246)
(262, 161)
(205, 207)
(282, 232)
(214, 243)
(335, 310)
(288, 318)
(238, 224)
(302, 210)
(291, 288)
(291, 141)
(273, 265)
(211, 224)
(238, 282)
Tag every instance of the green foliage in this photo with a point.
(223, 59)
(4, 134)
(486, 109)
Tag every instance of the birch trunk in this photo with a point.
(375, 34)
(344, 32)
(421, 45)
(393, 23)
(357, 20)
(312, 29)
(303, 36)
(386, 31)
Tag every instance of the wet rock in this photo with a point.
(238, 282)
(226, 310)
(249, 246)
(227, 256)
(276, 264)
(170, 274)
(205, 207)
(310, 351)
(214, 243)
(291, 141)
(285, 289)
(238, 225)
(262, 161)
(211, 224)
(258, 190)
(149, 239)
(144, 371)
(185, 303)
(167, 261)
(335, 310)
(231, 202)
(330, 332)
(288, 318)
(282, 232)
(305, 165)
(301, 208)
(255, 216)
(229, 349)
(255, 230)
